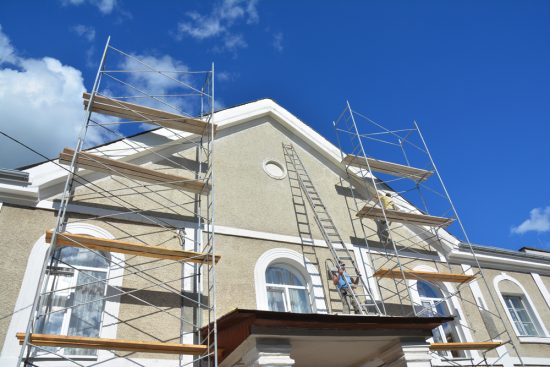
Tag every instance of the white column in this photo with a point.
(407, 353)
(269, 353)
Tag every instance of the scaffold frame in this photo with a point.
(164, 223)
(399, 247)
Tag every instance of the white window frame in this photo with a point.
(527, 308)
(299, 262)
(21, 312)
(522, 338)
(285, 287)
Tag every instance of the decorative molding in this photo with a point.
(277, 164)
(269, 353)
(504, 276)
(296, 260)
(542, 288)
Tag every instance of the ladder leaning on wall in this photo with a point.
(362, 300)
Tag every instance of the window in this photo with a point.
(74, 303)
(520, 309)
(522, 315)
(286, 289)
(434, 305)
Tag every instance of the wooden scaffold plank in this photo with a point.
(135, 112)
(108, 245)
(139, 173)
(465, 346)
(389, 168)
(424, 275)
(403, 217)
(63, 341)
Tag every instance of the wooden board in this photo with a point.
(424, 275)
(114, 167)
(102, 244)
(389, 168)
(403, 217)
(63, 341)
(465, 346)
(135, 112)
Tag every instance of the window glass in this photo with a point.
(425, 289)
(75, 301)
(275, 299)
(434, 305)
(286, 289)
(81, 257)
(282, 275)
(522, 315)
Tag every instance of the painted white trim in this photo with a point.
(504, 276)
(22, 309)
(365, 261)
(299, 262)
(501, 262)
(535, 339)
(476, 290)
(542, 288)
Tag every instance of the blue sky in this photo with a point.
(474, 75)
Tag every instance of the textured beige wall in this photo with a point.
(20, 229)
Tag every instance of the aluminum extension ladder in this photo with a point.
(361, 294)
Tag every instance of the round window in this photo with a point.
(274, 169)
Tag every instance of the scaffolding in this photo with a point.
(404, 217)
(152, 197)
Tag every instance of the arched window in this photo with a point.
(74, 299)
(287, 289)
(519, 308)
(434, 305)
(285, 280)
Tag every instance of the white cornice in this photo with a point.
(502, 261)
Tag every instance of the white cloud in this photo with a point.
(41, 103)
(219, 23)
(104, 6)
(7, 52)
(226, 76)
(87, 32)
(278, 42)
(539, 221)
(169, 86)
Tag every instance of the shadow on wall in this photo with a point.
(159, 298)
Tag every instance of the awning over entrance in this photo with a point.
(319, 339)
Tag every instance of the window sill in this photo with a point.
(534, 339)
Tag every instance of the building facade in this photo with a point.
(266, 264)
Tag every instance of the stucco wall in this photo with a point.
(20, 228)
